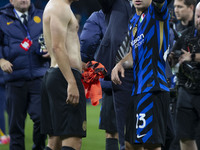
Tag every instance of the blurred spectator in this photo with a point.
(117, 14)
(188, 85)
(184, 13)
(91, 36)
(24, 66)
(4, 139)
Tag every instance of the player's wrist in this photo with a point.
(193, 56)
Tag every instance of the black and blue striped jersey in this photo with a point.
(150, 44)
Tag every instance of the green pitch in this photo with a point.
(95, 138)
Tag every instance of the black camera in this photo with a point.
(191, 70)
(192, 44)
(177, 54)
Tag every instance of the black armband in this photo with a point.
(193, 55)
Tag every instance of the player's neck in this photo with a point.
(68, 1)
(186, 21)
(65, 1)
(139, 12)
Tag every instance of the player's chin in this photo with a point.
(198, 26)
(178, 17)
(140, 7)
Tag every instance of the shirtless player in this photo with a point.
(63, 99)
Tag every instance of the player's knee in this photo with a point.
(187, 141)
(54, 143)
(74, 142)
(112, 135)
(153, 146)
(129, 146)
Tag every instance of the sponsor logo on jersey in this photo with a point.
(138, 41)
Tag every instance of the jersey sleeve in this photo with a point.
(159, 13)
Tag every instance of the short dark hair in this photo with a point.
(190, 2)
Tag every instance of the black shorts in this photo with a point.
(57, 117)
(188, 114)
(147, 118)
(107, 120)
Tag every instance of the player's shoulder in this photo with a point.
(60, 11)
(57, 8)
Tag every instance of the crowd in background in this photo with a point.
(79, 8)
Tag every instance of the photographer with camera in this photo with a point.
(184, 11)
(188, 104)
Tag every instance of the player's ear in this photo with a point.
(191, 7)
(11, 1)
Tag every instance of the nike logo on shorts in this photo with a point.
(140, 136)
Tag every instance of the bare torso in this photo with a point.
(72, 44)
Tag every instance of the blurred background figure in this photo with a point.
(4, 139)
(181, 19)
(117, 15)
(23, 66)
(185, 53)
(91, 36)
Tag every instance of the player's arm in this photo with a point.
(187, 56)
(175, 52)
(125, 63)
(197, 57)
(58, 28)
(160, 9)
(159, 3)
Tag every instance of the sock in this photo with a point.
(47, 148)
(112, 144)
(67, 148)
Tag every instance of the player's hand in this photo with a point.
(170, 59)
(72, 94)
(170, 56)
(6, 66)
(84, 67)
(186, 56)
(115, 73)
(47, 53)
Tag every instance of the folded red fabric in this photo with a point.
(90, 79)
